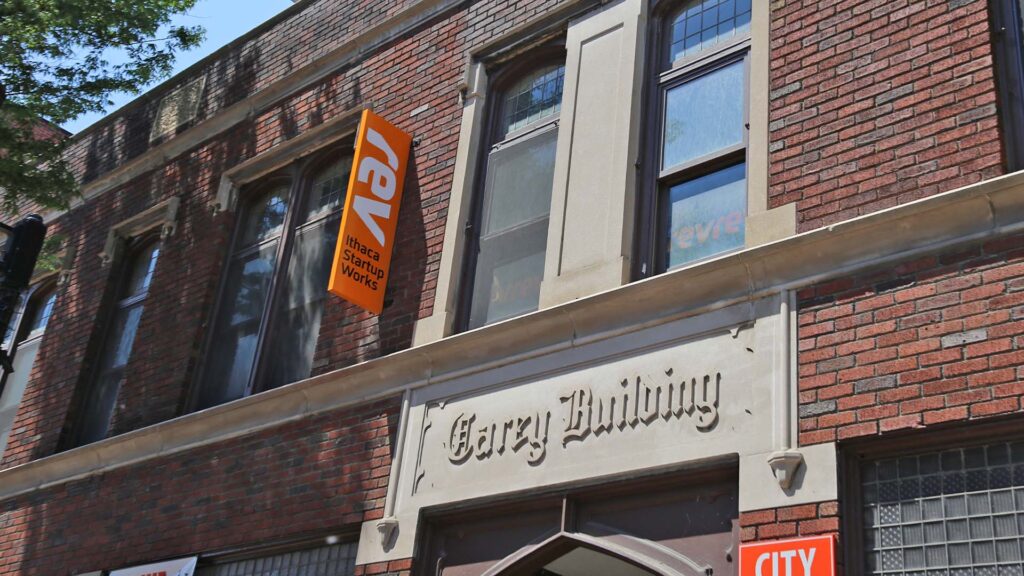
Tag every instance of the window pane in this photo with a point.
(141, 273)
(519, 179)
(515, 287)
(707, 215)
(536, 97)
(42, 315)
(702, 24)
(328, 190)
(234, 341)
(509, 270)
(295, 332)
(264, 217)
(704, 115)
(99, 406)
(122, 336)
(968, 523)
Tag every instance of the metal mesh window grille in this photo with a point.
(333, 560)
(958, 512)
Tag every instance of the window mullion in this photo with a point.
(279, 277)
(716, 158)
(703, 63)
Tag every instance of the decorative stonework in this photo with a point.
(177, 109)
(638, 402)
(697, 388)
(161, 216)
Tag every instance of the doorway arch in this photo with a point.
(610, 552)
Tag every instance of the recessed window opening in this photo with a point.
(508, 233)
(272, 301)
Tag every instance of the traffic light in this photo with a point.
(18, 257)
(21, 251)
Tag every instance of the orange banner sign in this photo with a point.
(363, 254)
(812, 556)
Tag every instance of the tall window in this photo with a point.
(699, 206)
(94, 422)
(271, 302)
(508, 234)
(23, 339)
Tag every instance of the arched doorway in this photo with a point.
(676, 525)
(578, 554)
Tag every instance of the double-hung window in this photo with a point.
(101, 397)
(509, 228)
(272, 300)
(699, 173)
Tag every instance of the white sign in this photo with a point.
(180, 567)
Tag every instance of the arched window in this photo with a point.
(36, 312)
(271, 302)
(98, 408)
(508, 234)
(698, 204)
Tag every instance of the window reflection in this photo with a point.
(707, 215)
(704, 115)
(117, 348)
(272, 303)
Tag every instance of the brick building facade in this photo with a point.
(776, 289)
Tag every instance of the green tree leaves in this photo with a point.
(55, 65)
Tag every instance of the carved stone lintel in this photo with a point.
(785, 465)
(162, 216)
(386, 527)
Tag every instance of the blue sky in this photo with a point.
(224, 21)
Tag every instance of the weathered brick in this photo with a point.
(964, 338)
(816, 408)
(872, 384)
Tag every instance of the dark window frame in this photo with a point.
(1008, 41)
(300, 176)
(118, 302)
(299, 543)
(28, 306)
(652, 207)
(854, 453)
(30, 303)
(501, 79)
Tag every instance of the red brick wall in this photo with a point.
(322, 474)
(877, 103)
(424, 67)
(790, 522)
(931, 340)
(392, 568)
